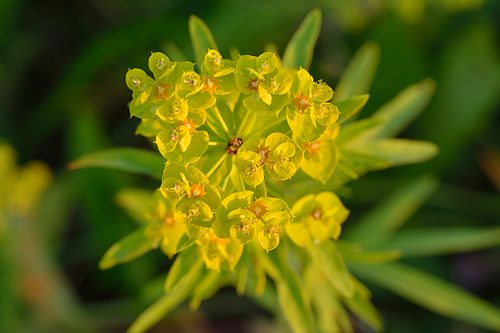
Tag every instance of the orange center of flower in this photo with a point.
(316, 214)
(209, 85)
(301, 102)
(253, 84)
(258, 208)
(162, 91)
(198, 190)
(189, 125)
(313, 147)
(168, 220)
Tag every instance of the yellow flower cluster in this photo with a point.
(230, 133)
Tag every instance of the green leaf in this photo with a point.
(363, 308)
(436, 241)
(354, 130)
(181, 266)
(169, 301)
(329, 261)
(331, 316)
(206, 288)
(291, 295)
(201, 37)
(133, 160)
(462, 113)
(350, 107)
(300, 49)
(431, 293)
(353, 165)
(358, 76)
(398, 113)
(380, 223)
(353, 252)
(263, 294)
(130, 247)
(397, 151)
(135, 202)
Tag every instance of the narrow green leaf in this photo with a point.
(353, 252)
(133, 160)
(329, 261)
(135, 202)
(291, 295)
(432, 293)
(349, 107)
(128, 248)
(397, 151)
(461, 113)
(263, 294)
(382, 222)
(353, 165)
(206, 288)
(201, 38)
(169, 301)
(358, 76)
(398, 113)
(435, 241)
(354, 130)
(300, 49)
(331, 315)
(181, 266)
(363, 308)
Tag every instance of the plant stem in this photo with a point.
(216, 165)
(221, 120)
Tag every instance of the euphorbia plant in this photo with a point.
(252, 152)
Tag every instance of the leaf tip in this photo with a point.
(105, 264)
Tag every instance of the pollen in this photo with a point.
(190, 79)
(250, 170)
(136, 82)
(275, 230)
(176, 190)
(301, 102)
(160, 63)
(174, 136)
(192, 213)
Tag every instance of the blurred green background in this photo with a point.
(62, 69)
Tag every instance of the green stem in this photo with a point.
(221, 120)
(216, 165)
(243, 123)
